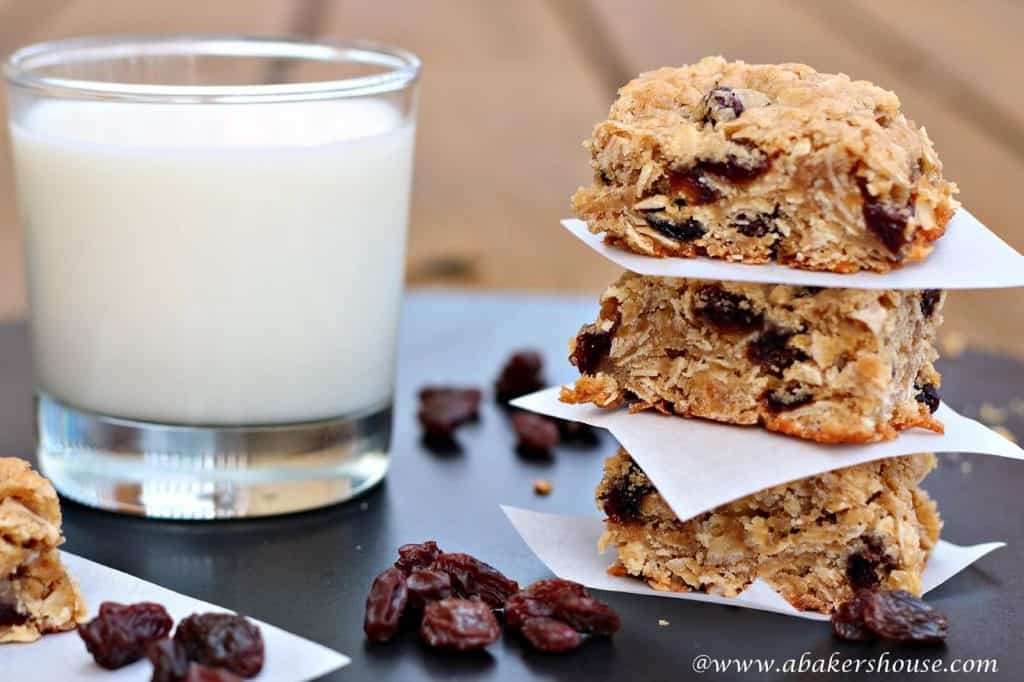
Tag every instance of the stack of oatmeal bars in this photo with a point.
(768, 164)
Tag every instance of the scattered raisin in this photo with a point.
(202, 673)
(384, 605)
(120, 633)
(413, 557)
(695, 187)
(682, 229)
(587, 614)
(770, 350)
(848, 620)
(928, 395)
(787, 398)
(443, 409)
(169, 659)
(548, 634)
(929, 299)
(756, 225)
(577, 433)
(862, 567)
(539, 599)
(622, 502)
(899, 615)
(592, 347)
(459, 625)
(887, 220)
(426, 585)
(736, 169)
(471, 577)
(536, 433)
(223, 640)
(520, 375)
(721, 104)
(725, 308)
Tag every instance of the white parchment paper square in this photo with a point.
(63, 657)
(568, 546)
(698, 464)
(968, 256)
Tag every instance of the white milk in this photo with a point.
(214, 264)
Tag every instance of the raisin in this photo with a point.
(787, 398)
(459, 625)
(520, 375)
(536, 433)
(548, 634)
(928, 395)
(9, 615)
(721, 104)
(443, 409)
(413, 557)
(848, 620)
(622, 502)
(769, 350)
(736, 169)
(223, 640)
(683, 229)
(539, 599)
(577, 433)
(900, 616)
(385, 605)
(471, 577)
(202, 673)
(426, 586)
(862, 567)
(587, 614)
(887, 220)
(119, 634)
(929, 299)
(756, 225)
(695, 187)
(592, 347)
(169, 659)
(726, 309)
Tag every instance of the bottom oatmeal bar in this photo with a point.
(815, 540)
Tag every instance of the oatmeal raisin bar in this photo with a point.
(815, 540)
(759, 163)
(830, 365)
(37, 595)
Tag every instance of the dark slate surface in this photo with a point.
(309, 573)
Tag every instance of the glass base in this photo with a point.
(193, 472)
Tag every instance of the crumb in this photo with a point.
(990, 414)
(1017, 407)
(359, 548)
(363, 506)
(542, 486)
(662, 623)
(1005, 433)
(966, 467)
(953, 344)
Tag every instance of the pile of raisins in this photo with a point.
(207, 647)
(889, 614)
(443, 409)
(454, 598)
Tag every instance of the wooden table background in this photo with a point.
(512, 87)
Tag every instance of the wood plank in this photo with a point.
(506, 100)
(663, 32)
(23, 22)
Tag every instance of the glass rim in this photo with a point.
(403, 67)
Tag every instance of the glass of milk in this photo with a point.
(215, 234)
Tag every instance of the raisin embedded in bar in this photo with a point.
(765, 163)
(816, 541)
(829, 365)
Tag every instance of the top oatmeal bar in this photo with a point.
(759, 163)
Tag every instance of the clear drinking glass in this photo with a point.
(215, 233)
